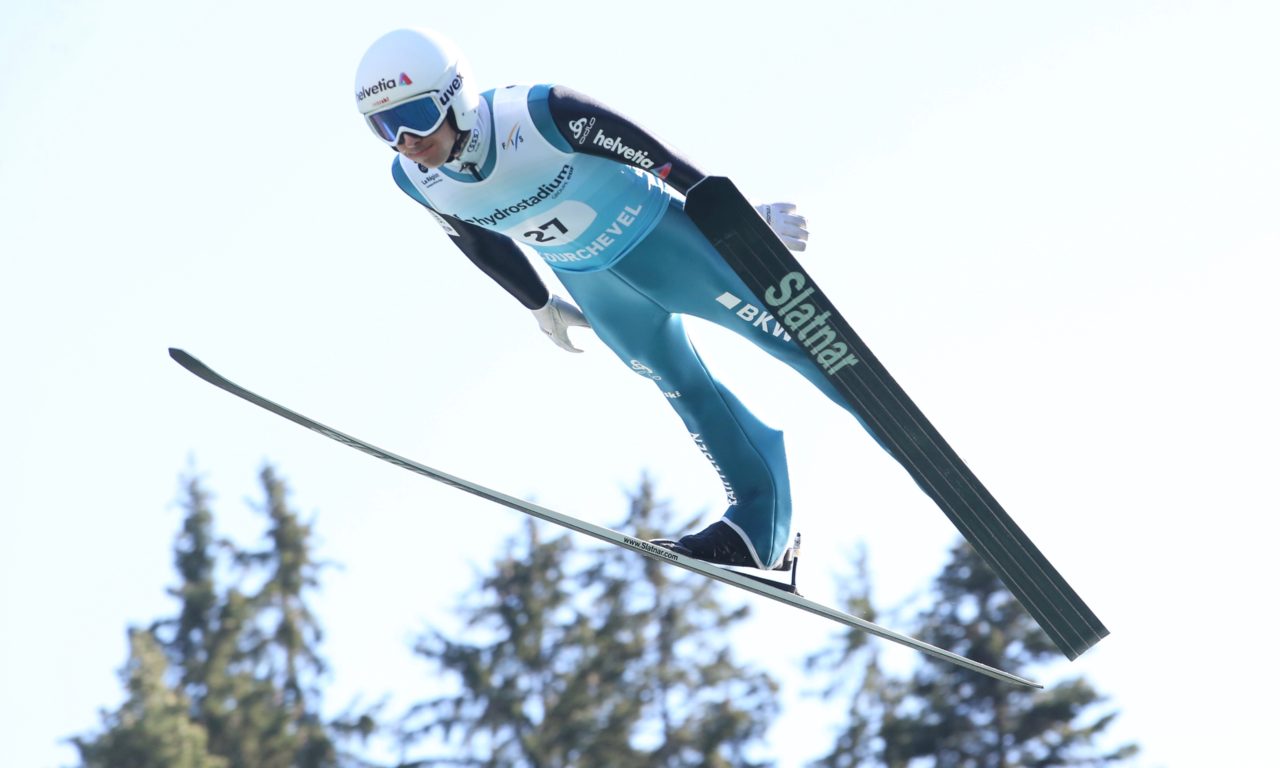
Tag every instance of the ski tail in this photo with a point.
(750, 247)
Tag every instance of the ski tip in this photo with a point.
(181, 357)
(189, 361)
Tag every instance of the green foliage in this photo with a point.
(152, 729)
(572, 656)
(873, 695)
(195, 560)
(947, 717)
(230, 682)
(594, 657)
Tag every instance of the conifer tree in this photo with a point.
(281, 644)
(153, 728)
(237, 669)
(195, 559)
(873, 695)
(944, 717)
(595, 657)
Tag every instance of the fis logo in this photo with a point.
(581, 129)
(404, 79)
(514, 139)
(752, 314)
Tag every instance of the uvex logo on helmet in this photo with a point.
(383, 84)
(451, 90)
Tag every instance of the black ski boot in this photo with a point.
(717, 543)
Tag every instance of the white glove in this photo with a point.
(555, 317)
(789, 226)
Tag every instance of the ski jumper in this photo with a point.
(596, 197)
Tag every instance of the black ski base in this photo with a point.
(782, 585)
(752, 250)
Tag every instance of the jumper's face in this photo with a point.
(417, 127)
(431, 150)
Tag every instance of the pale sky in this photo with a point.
(1058, 229)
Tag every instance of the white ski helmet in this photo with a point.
(410, 80)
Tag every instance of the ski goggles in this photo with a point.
(420, 116)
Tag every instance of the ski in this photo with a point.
(784, 288)
(756, 585)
